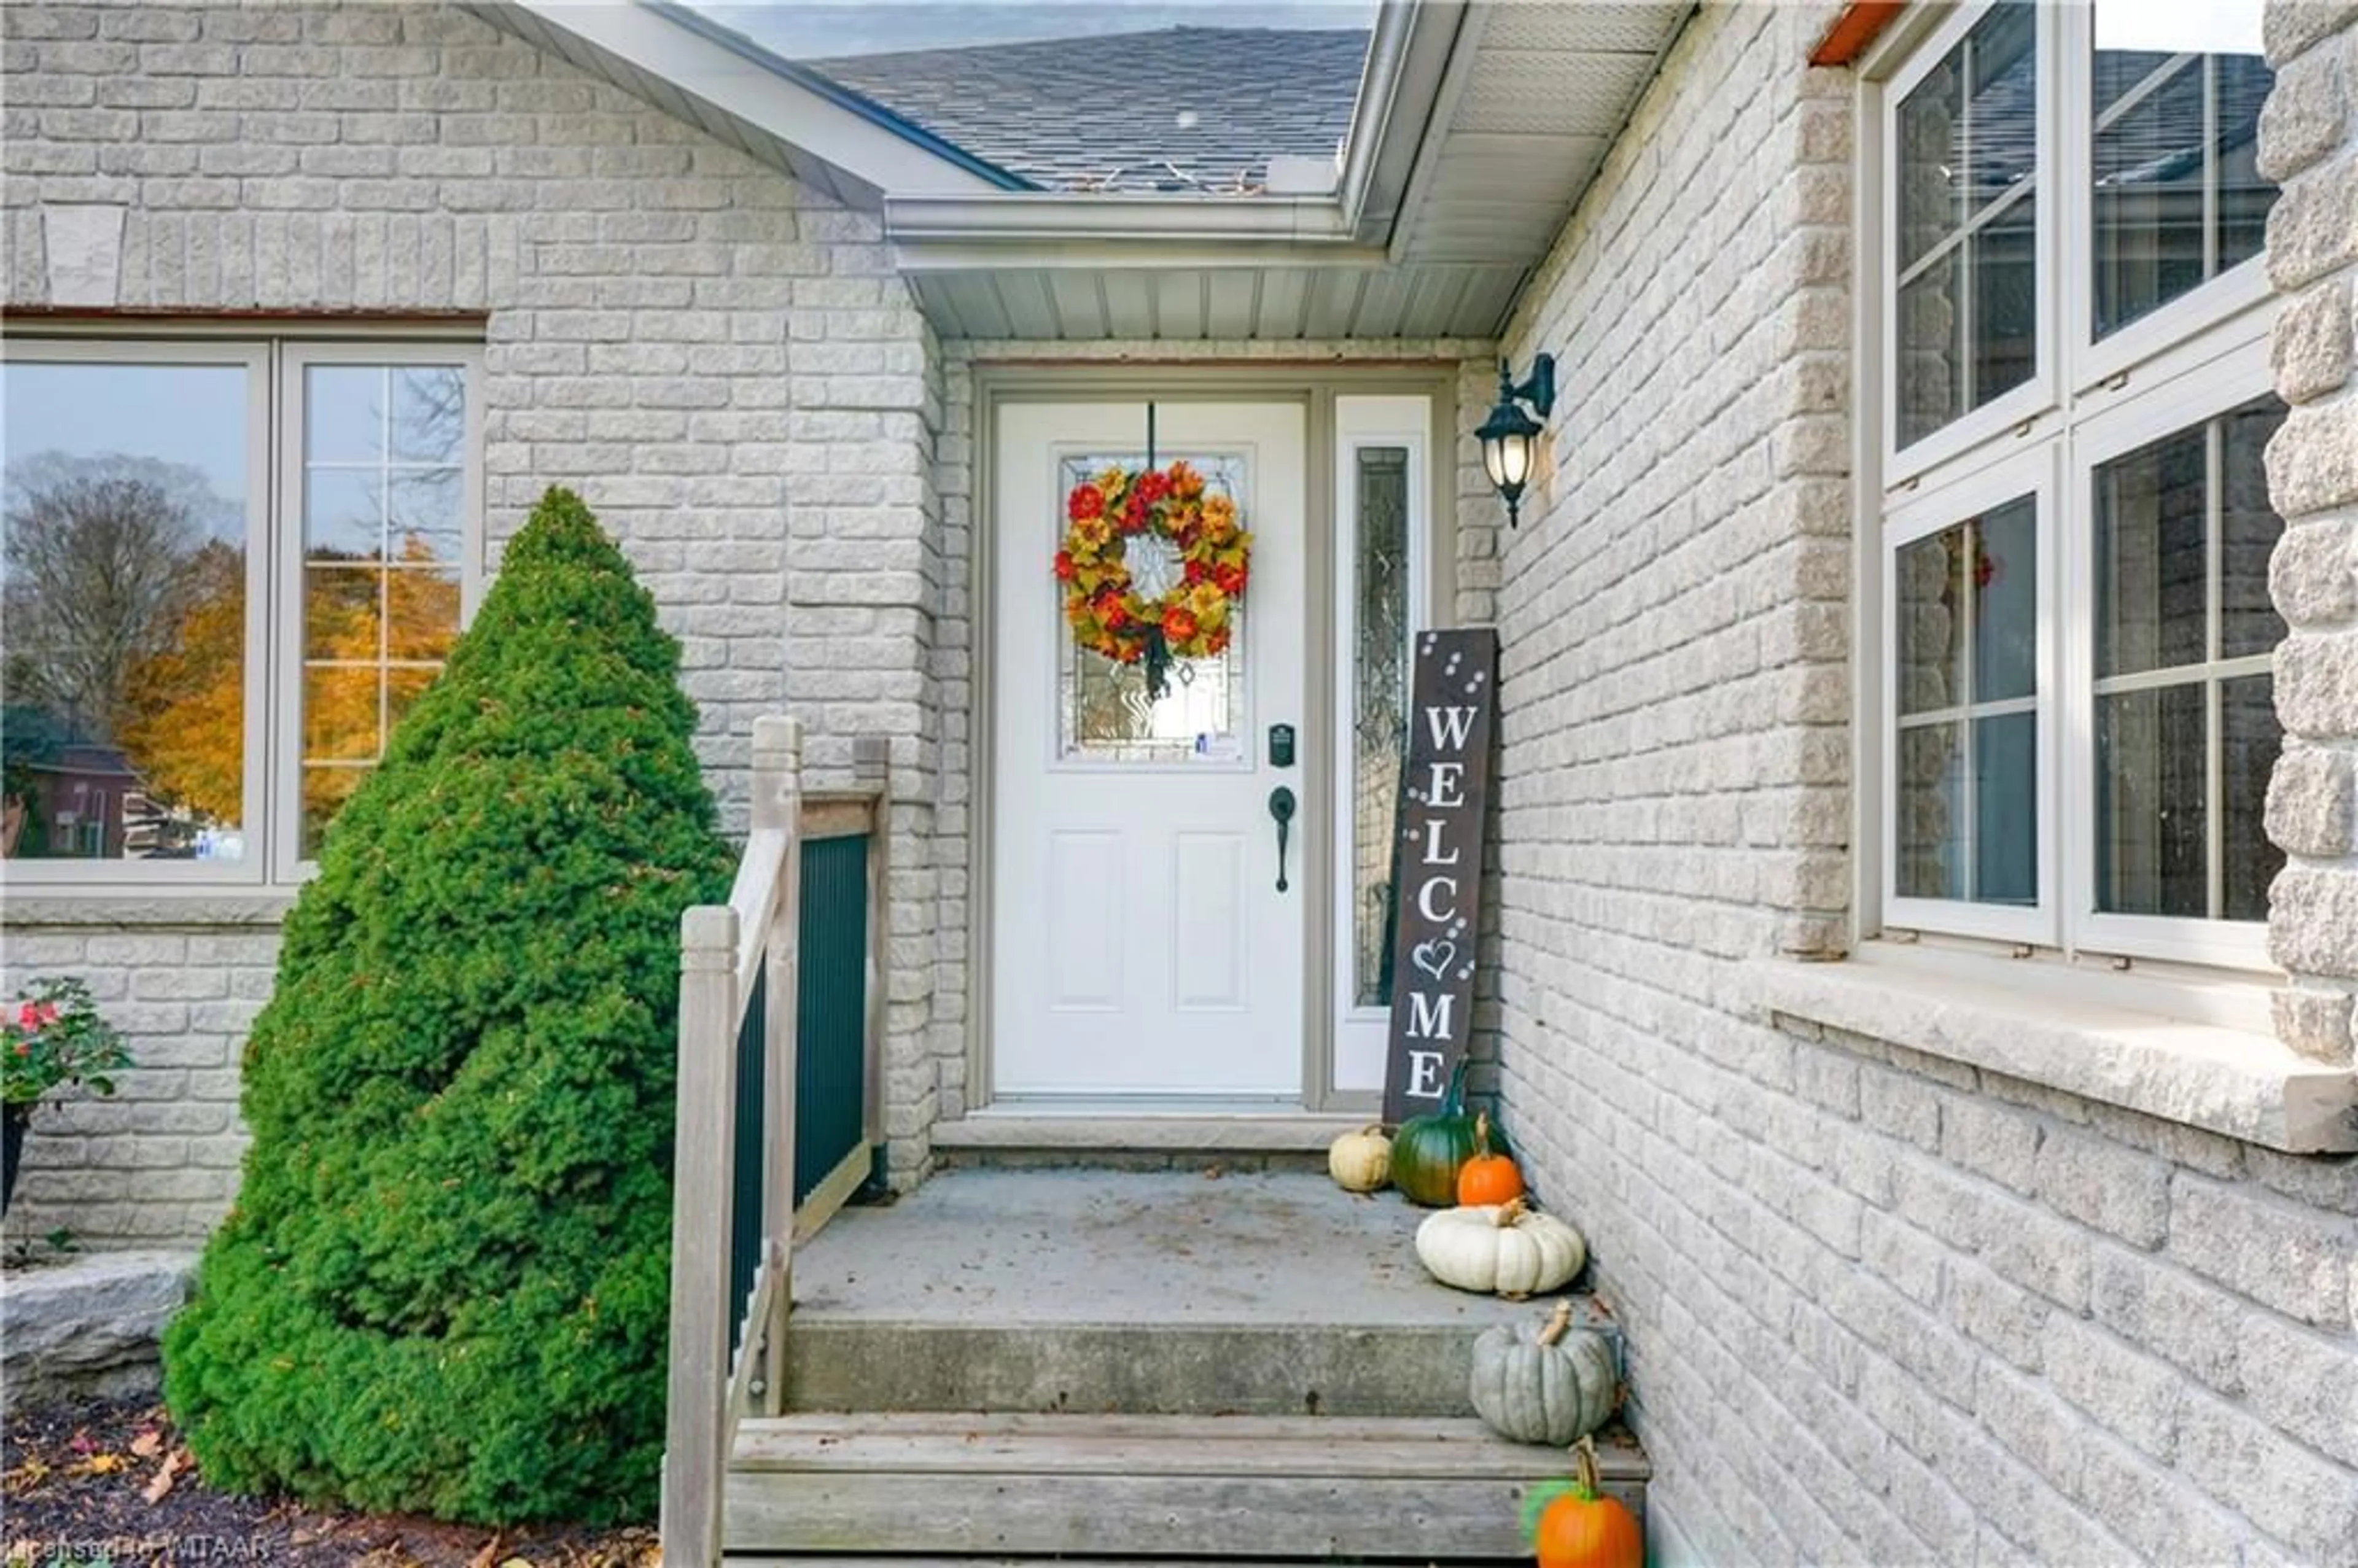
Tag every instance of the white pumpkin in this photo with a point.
(1360, 1162)
(1506, 1250)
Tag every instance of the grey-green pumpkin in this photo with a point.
(1552, 1384)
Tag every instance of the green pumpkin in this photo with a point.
(1428, 1150)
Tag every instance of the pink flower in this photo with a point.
(28, 1017)
(48, 1012)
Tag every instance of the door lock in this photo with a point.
(1281, 808)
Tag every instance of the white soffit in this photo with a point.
(1534, 100)
(1197, 304)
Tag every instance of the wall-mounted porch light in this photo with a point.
(1509, 437)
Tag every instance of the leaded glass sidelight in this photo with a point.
(1379, 596)
(1104, 713)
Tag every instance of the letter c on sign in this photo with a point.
(1425, 899)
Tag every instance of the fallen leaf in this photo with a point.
(159, 1486)
(103, 1464)
(148, 1444)
(25, 1477)
(517, 1562)
(488, 1554)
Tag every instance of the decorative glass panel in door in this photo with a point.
(1104, 711)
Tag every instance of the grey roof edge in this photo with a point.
(833, 92)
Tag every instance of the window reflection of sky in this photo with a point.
(193, 415)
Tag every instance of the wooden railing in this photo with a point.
(740, 998)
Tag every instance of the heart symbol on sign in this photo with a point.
(1433, 957)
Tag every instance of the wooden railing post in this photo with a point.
(778, 802)
(697, 1418)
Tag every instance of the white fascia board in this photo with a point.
(1051, 216)
(1449, 89)
(873, 154)
(1409, 57)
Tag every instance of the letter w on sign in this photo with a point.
(1437, 864)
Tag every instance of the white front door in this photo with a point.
(1140, 945)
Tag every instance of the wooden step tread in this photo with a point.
(935, 1442)
(1226, 1487)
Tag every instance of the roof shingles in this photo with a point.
(1184, 109)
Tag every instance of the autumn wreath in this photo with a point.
(1173, 597)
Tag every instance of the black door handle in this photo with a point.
(1281, 806)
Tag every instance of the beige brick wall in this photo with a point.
(1881, 1307)
(721, 361)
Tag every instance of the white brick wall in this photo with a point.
(1881, 1307)
(720, 360)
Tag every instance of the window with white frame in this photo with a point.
(2072, 326)
(226, 568)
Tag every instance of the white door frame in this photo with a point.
(1316, 388)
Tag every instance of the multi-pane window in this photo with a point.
(203, 650)
(1967, 184)
(2185, 722)
(384, 519)
(2079, 726)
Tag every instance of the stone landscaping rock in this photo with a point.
(89, 1327)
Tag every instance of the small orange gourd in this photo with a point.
(1580, 1528)
(1488, 1178)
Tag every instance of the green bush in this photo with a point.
(443, 1287)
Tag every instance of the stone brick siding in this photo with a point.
(1881, 1307)
(2309, 142)
(721, 361)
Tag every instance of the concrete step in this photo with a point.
(1268, 1369)
(1133, 1141)
(1145, 1293)
(1212, 1488)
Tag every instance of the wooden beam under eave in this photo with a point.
(1860, 24)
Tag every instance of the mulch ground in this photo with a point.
(108, 1483)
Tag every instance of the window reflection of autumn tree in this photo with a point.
(124, 602)
(187, 729)
(99, 557)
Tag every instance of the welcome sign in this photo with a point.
(1437, 864)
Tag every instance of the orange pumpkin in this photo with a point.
(1583, 1529)
(1488, 1178)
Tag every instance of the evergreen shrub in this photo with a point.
(444, 1285)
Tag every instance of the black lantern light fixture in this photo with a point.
(1509, 437)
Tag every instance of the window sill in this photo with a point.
(2230, 1081)
(257, 908)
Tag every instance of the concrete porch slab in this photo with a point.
(1148, 1292)
(1084, 1245)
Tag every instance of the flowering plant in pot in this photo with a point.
(51, 1036)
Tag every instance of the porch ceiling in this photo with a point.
(1223, 302)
